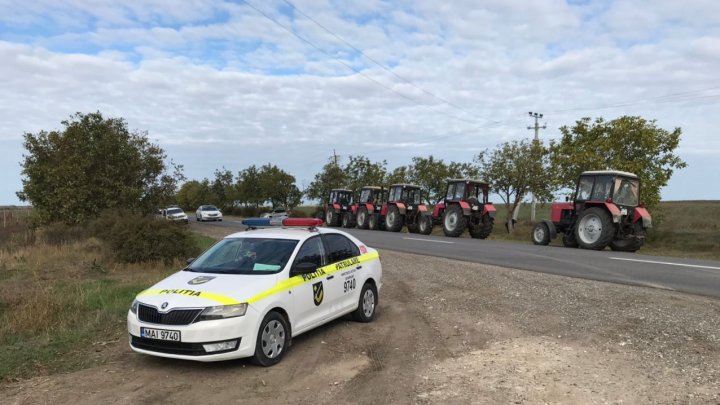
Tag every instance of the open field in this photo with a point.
(446, 332)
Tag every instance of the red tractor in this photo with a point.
(339, 203)
(371, 201)
(465, 206)
(605, 212)
(404, 207)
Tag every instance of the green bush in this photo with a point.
(134, 238)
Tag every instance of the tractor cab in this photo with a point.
(469, 191)
(373, 195)
(621, 188)
(406, 194)
(339, 202)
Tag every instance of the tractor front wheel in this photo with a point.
(569, 240)
(483, 229)
(347, 221)
(541, 234)
(425, 225)
(594, 229)
(393, 220)
(454, 222)
(374, 222)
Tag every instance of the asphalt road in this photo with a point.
(685, 275)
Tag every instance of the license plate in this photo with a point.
(160, 334)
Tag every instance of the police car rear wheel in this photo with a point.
(272, 341)
(365, 311)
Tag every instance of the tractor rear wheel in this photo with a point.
(425, 225)
(393, 220)
(569, 240)
(454, 222)
(374, 222)
(331, 218)
(594, 229)
(541, 234)
(362, 218)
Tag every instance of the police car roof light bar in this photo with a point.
(254, 223)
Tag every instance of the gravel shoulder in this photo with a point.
(450, 332)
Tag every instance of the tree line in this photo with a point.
(96, 163)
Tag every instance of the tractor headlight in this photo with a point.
(222, 312)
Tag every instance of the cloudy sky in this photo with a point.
(230, 83)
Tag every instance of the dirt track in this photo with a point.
(446, 331)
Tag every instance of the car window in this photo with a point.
(174, 211)
(340, 248)
(311, 252)
(245, 256)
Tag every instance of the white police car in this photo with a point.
(250, 293)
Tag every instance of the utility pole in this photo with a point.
(537, 129)
(335, 157)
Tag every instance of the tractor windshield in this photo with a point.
(366, 196)
(626, 191)
(411, 196)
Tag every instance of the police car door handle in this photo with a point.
(358, 267)
(330, 277)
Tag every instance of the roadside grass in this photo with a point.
(60, 305)
(203, 242)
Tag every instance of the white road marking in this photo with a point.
(666, 263)
(429, 240)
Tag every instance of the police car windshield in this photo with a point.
(245, 256)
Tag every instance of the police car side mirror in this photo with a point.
(303, 268)
(190, 260)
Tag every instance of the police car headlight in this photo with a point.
(222, 312)
(134, 306)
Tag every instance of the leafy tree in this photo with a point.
(332, 176)
(93, 163)
(361, 172)
(249, 188)
(195, 193)
(628, 143)
(278, 187)
(223, 189)
(397, 176)
(515, 169)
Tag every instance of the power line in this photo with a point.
(667, 98)
(358, 71)
(387, 69)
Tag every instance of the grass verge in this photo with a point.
(62, 305)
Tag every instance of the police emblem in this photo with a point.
(318, 293)
(200, 280)
(164, 305)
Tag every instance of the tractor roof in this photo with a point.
(466, 181)
(372, 188)
(609, 173)
(341, 189)
(406, 185)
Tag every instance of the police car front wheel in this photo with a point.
(367, 304)
(273, 340)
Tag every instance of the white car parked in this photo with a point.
(250, 293)
(175, 214)
(208, 213)
(278, 213)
